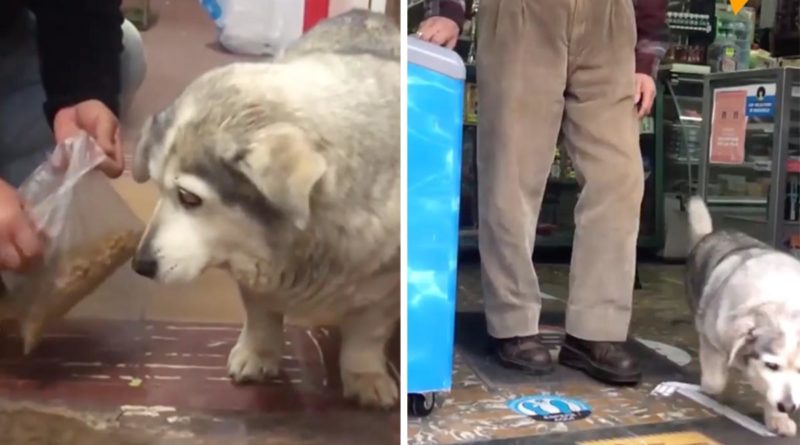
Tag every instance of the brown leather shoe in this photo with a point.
(527, 354)
(607, 362)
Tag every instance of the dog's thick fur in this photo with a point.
(746, 299)
(287, 174)
(356, 32)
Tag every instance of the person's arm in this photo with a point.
(80, 42)
(653, 35)
(454, 10)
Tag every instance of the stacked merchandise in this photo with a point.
(791, 209)
(468, 213)
(690, 33)
(469, 172)
(708, 33)
(691, 24)
(734, 38)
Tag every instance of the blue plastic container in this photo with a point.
(435, 124)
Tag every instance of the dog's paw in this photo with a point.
(714, 387)
(370, 389)
(782, 424)
(249, 364)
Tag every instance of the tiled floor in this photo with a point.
(476, 410)
(138, 363)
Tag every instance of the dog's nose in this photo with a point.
(145, 266)
(787, 407)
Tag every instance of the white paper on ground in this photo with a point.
(694, 393)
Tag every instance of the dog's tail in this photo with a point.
(700, 223)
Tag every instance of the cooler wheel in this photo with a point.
(421, 405)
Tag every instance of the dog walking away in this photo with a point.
(746, 300)
(287, 175)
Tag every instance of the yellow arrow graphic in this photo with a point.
(737, 5)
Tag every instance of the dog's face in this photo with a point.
(232, 182)
(772, 355)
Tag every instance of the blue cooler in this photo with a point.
(435, 124)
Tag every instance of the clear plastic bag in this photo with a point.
(90, 233)
(256, 27)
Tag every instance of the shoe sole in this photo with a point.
(583, 364)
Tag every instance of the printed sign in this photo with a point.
(551, 408)
(682, 438)
(760, 100)
(728, 127)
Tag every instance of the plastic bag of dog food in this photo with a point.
(256, 27)
(89, 230)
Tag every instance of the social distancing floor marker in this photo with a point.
(550, 408)
(679, 438)
(694, 393)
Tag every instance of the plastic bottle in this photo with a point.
(723, 54)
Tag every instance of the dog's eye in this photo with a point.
(188, 199)
(772, 366)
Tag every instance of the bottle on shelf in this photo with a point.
(723, 54)
(791, 208)
(555, 169)
(471, 104)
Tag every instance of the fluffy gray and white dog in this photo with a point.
(746, 299)
(358, 31)
(287, 174)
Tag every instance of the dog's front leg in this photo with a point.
(257, 354)
(363, 360)
(713, 369)
(778, 422)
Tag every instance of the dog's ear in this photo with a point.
(151, 144)
(750, 340)
(740, 346)
(283, 164)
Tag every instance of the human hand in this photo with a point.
(94, 118)
(439, 30)
(21, 245)
(645, 94)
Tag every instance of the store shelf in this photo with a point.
(689, 124)
(686, 68)
(753, 219)
(740, 194)
(760, 166)
(736, 201)
(761, 126)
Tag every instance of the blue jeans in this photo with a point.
(25, 137)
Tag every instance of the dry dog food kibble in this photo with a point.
(76, 275)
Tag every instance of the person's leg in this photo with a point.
(601, 134)
(521, 67)
(133, 65)
(25, 136)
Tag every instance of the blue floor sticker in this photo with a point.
(551, 408)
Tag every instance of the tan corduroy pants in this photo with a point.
(546, 66)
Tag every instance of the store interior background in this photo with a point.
(756, 47)
(148, 367)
